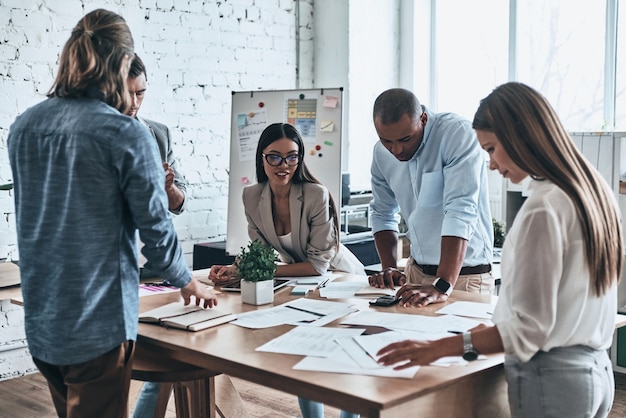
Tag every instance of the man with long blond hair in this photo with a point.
(84, 182)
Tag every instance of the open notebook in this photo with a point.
(190, 317)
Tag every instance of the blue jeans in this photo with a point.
(312, 409)
(147, 400)
(568, 382)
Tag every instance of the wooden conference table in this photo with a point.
(478, 389)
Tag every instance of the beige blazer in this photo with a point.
(312, 230)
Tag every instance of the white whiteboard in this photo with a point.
(316, 113)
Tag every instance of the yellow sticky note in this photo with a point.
(327, 126)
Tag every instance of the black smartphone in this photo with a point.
(384, 301)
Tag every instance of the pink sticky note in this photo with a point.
(330, 101)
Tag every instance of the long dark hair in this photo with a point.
(277, 131)
(95, 60)
(536, 141)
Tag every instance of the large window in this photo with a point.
(471, 44)
(561, 53)
(620, 83)
(556, 46)
(452, 53)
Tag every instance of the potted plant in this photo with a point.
(256, 265)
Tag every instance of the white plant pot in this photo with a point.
(257, 293)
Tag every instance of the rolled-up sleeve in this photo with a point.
(384, 206)
(463, 163)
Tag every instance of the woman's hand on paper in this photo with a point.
(222, 274)
(201, 293)
(409, 353)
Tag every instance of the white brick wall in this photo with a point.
(15, 359)
(196, 53)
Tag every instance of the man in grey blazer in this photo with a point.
(174, 187)
(174, 181)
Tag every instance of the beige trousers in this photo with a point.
(475, 283)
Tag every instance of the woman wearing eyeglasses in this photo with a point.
(293, 212)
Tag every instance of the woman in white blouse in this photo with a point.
(561, 263)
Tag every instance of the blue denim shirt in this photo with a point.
(441, 191)
(85, 178)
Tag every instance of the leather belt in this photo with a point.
(432, 270)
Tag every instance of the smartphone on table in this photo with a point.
(384, 301)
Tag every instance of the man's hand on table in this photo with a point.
(410, 294)
(201, 292)
(415, 295)
(389, 277)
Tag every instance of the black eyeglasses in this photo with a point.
(275, 160)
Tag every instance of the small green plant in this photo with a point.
(498, 234)
(256, 262)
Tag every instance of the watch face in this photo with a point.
(470, 355)
(442, 285)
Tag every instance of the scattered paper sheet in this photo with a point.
(471, 309)
(357, 353)
(311, 312)
(309, 341)
(411, 322)
(265, 318)
(340, 290)
(341, 362)
(316, 306)
(326, 311)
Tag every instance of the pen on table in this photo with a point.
(456, 332)
(322, 284)
(304, 310)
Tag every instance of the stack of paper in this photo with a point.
(335, 350)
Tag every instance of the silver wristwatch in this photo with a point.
(469, 352)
